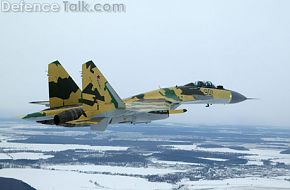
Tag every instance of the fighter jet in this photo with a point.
(97, 105)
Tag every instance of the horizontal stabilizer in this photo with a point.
(44, 103)
(102, 125)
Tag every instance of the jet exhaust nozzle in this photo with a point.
(68, 115)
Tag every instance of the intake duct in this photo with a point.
(68, 115)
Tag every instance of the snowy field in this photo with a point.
(24, 155)
(6, 146)
(255, 157)
(51, 180)
(114, 169)
(38, 178)
(248, 183)
(157, 156)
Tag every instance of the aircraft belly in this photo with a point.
(114, 113)
(138, 118)
(209, 101)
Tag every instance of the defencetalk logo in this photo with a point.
(65, 6)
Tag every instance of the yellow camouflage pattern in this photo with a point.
(98, 105)
(63, 91)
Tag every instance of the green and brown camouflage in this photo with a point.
(34, 115)
(48, 113)
(185, 94)
(98, 105)
(98, 96)
(63, 91)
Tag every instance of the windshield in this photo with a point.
(206, 84)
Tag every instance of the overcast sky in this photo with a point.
(243, 45)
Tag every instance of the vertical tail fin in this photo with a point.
(63, 91)
(97, 91)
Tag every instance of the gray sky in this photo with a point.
(243, 45)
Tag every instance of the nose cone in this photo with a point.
(237, 97)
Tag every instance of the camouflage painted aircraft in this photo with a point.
(98, 105)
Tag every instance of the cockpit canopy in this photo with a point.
(198, 84)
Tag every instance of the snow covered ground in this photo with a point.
(38, 178)
(52, 180)
(8, 146)
(115, 169)
(175, 163)
(249, 183)
(256, 154)
(214, 159)
(268, 154)
(196, 148)
(24, 155)
(127, 158)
